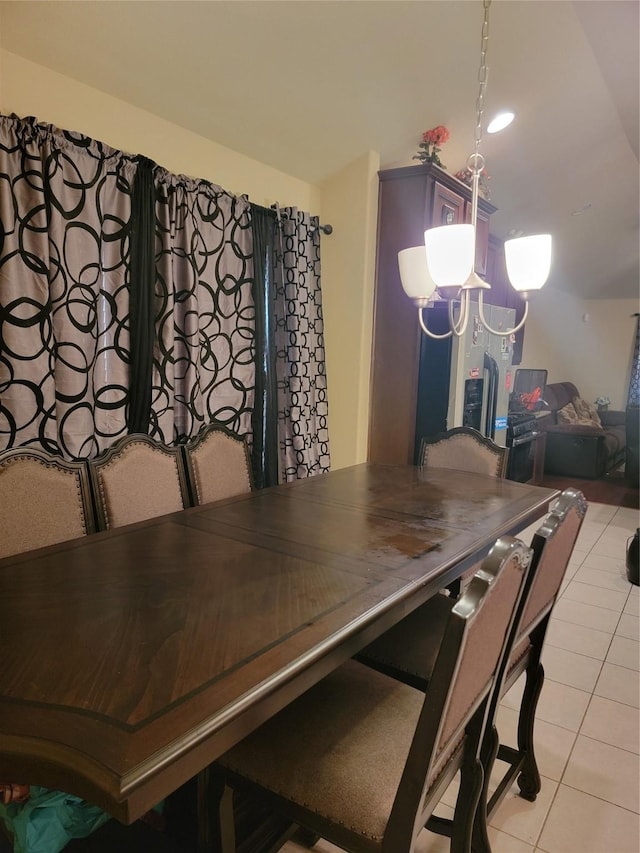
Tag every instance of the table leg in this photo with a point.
(236, 824)
(213, 798)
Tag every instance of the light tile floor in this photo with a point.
(588, 719)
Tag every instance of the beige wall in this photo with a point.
(350, 204)
(347, 201)
(585, 341)
(31, 89)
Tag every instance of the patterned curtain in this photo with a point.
(204, 358)
(91, 329)
(634, 385)
(300, 362)
(65, 205)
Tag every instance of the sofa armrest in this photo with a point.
(612, 417)
(576, 430)
(576, 450)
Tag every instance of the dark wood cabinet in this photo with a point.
(411, 199)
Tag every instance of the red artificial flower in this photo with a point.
(432, 140)
(440, 134)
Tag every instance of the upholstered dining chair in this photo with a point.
(43, 500)
(362, 759)
(552, 545)
(135, 479)
(465, 449)
(218, 465)
(406, 651)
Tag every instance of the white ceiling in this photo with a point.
(309, 85)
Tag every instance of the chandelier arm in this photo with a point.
(502, 334)
(459, 328)
(424, 328)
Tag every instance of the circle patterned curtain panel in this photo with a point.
(65, 210)
(204, 349)
(302, 379)
(79, 307)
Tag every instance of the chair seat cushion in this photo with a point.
(412, 645)
(354, 729)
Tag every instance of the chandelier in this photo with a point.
(444, 267)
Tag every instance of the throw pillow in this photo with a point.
(587, 412)
(567, 414)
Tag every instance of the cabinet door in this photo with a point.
(496, 274)
(448, 207)
(482, 237)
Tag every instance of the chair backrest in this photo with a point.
(43, 500)
(552, 547)
(472, 650)
(135, 479)
(465, 449)
(218, 465)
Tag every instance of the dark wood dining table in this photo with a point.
(132, 659)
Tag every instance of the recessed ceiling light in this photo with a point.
(501, 121)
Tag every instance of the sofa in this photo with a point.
(580, 440)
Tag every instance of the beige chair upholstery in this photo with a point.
(406, 651)
(218, 465)
(362, 759)
(43, 500)
(135, 479)
(465, 449)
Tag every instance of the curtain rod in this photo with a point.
(326, 229)
(274, 210)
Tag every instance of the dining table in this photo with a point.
(133, 658)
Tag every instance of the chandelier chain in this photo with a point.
(482, 80)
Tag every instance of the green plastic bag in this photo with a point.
(49, 820)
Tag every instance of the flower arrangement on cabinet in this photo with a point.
(603, 403)
(466, 176)
(431, 145)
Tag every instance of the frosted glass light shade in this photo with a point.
(414, 273)
(528, 261)
(450, 253)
